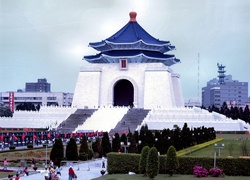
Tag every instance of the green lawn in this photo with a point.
(5, 174)
(230, 141)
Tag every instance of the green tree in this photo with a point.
(185, 135)
(172, 162)
(97, 147)
(246, 114)
(116, 143)
(5, 111)
(143, 160)
(84, 149)
(153, 163)
(132, 148)
(56, 154)
(26, 106)
(106, 145)
(71, 150)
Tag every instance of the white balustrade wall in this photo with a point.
(160, 118)
(48, 117)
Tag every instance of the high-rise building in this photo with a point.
(40, 86)
(224, 89)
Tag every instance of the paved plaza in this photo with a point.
(84, 171)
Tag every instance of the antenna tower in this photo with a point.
(221, 71)
(198, 88)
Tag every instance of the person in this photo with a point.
(71, 173)
(51, 163)
(103, 162)
(58, 170)
(5, 164)
(25, 171)
(10, 177)
(19, 171)
(33, 163)
(17, 177)
(46, 174)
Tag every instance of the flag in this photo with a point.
(23, 136)
(1, 137)
(15, 138)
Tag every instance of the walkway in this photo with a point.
(84, 171)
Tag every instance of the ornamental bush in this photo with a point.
(57, 152)
(199, 171)
(153, 163)
(12, 147)
(216, 172)
(30, 146)
(71, 150)
(172, 162)
(143, 160)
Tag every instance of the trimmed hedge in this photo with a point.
(30, 146)
(12, 147)
(120, 163)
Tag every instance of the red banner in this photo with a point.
(23, 136)
(11, 101)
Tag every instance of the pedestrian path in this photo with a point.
(84, 171)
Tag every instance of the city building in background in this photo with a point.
(225, 89)
(41, 98)
(36, 93)
(40, 86)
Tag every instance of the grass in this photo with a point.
(230, 141)
(5, 174)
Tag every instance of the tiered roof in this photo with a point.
(133, 43)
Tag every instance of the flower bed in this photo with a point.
(200, 171)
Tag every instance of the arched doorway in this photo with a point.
(123, 93)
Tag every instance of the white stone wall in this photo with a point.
(151, 81)
(158, 89)
(178, 95)
(87, 90)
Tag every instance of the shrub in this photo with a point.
(153, 163)
(83, 156)
(216, 172)
(143, 160)
(71, 150)
(57, 152)
(30, 146)
(172, 162)
(12, 147)
(199, 171)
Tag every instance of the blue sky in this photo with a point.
(47, 39)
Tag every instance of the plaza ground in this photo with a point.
(84, 171)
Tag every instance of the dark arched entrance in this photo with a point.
(123, 93)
